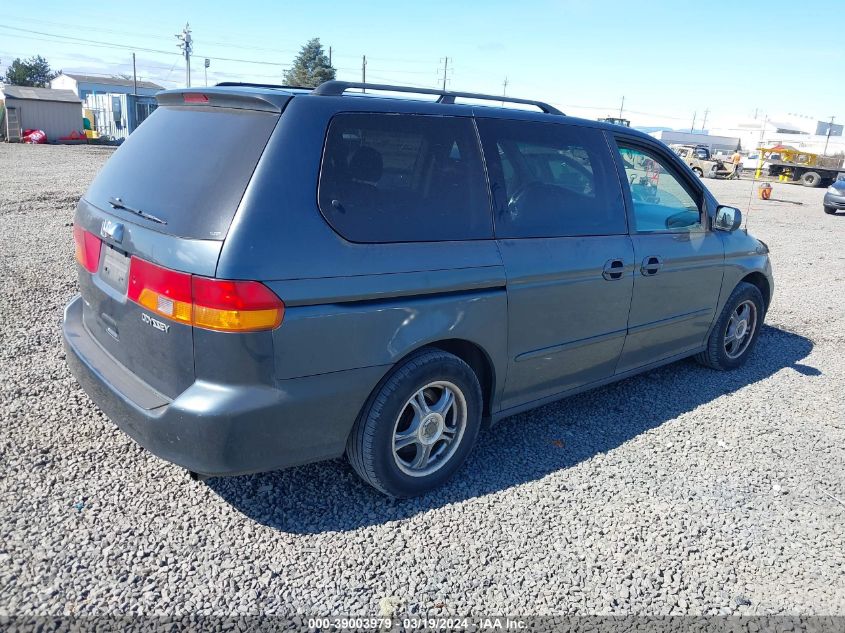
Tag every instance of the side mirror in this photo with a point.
(727, 218)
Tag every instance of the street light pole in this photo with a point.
(827, 140)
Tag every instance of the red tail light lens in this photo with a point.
(87, 248)
(165, 292)
(241, 306)
(214, 304)
(194, 97)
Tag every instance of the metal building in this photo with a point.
(56, 112)
(113, 106)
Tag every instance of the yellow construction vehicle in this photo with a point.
(789, 164)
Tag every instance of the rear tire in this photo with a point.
(830, 210)
(811, 179)
(713, 172)
(736, 331)
(410, 437)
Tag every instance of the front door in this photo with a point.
(679, 259)
(561, 228)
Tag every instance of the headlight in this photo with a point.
(835, 191)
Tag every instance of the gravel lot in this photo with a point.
(680, 491)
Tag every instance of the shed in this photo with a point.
(57, 112)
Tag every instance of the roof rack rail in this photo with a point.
(251, 85)
(337, 88)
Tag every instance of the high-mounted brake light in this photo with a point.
(213, 304)
(194, 97)
(87, 248)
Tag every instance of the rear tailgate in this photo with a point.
(167, 197)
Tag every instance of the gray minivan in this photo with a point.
(271, 276)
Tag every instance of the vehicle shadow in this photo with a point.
(526, 447)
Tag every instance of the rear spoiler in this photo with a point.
(228, 97)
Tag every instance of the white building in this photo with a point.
(116, 105)
(713, 142)
(806, 134)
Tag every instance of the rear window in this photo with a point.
(187, 166)
(404, 178)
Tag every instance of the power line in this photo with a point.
(88, 41)
(91, 42)
(38, 35)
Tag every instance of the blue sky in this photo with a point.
(668, 59)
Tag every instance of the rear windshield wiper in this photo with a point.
(117, 203)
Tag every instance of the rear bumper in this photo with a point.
(222, 429)
(837, 202)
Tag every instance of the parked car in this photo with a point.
(702, 163)
(274, 276)
(834, 197)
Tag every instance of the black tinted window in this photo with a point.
(404, 178)
(551, 180)
(189, 166)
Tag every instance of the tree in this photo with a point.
(311, 67)
(34, 72)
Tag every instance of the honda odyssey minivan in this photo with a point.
(271, 276)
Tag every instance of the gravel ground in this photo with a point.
(680, 491)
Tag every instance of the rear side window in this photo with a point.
(551, 180)
(188, 166)
(404, 178)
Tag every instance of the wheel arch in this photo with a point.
(479, 361)
(471, 353)
(759, 280)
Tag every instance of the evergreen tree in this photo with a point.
(34, 72)
(311, 67)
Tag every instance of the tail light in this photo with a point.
(214, 304)
(87, 248)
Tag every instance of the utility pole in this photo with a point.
(206, 64)
(504, 89)
(704, 123)
(134, 77)
(187, 46)
(827, 140)
(330, 55)
(692, 127)
(445, 67)
(364, 72)
(621, 106)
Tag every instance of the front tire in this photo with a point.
(418, 426)
(736, 331)
(698, 172)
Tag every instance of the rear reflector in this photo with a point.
(87, 248)
(213, 304)
(194, 97)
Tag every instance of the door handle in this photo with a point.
(613, 269)
(651, 265)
